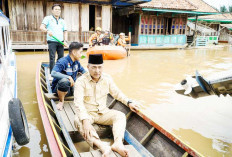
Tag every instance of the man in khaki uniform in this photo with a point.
(90, 96)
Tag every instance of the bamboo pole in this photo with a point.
(128, 54)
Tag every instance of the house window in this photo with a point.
(146, 25)
(158, 25)
(142, 25)
(154, 24)
(177, 26)
(184, 26)
(173, 25)
(180, 25)
(162, 26)
(150, 25)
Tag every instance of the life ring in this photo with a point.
(18, 121)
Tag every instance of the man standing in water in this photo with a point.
(65, 73)
(55, 26)
(90, 95)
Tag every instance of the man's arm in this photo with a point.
(65, 38)
(81, 110)
(43, 26)
(65, 35)
(117, 94)
(57, 69)
(79, 101)
(90, 40)
(120, 43)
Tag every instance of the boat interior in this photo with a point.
(141, 138)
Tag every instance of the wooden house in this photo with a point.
(156, 24)
(81, 17)
(219, 23)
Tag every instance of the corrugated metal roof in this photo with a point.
(221, 18)
(189, 12)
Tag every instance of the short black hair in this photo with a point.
(74, 45)
(55, 5)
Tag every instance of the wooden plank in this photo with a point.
(132, 151)
(67, 15)
(55, 98)
(20, 13)
(30, 15)
(86, 154)
(70, 114)
(96, 153)
(98, 16)
(66, 121)
(106, 17)
(136, 122)
(75, 18)
(147, 136)
(49, 8)
(141, 149)
(85, 17)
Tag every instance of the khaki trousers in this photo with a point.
(111, 117)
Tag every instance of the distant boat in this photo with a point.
(197, 86)
(12, 116)
(108, 52)
(143, 137)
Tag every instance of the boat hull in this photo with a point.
(200, 87)
(146, 136)
(8, 86)
(108, 52)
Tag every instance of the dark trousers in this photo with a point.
(53, 47)
(64, 85)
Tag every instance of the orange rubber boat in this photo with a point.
(108, 52)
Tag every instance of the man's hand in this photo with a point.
(134, 107)
(65, 44)
(49, 33)
(88, 129)
(71, 81)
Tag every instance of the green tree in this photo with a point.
(223, 9)
(230, 9)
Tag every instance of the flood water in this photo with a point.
(149, 77)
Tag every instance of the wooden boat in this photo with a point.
(108, 52)
(143, 136)
(12, 116)
(197, 86)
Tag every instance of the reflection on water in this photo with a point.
(149, 77)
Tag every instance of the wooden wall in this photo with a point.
(84, 17)
(106, 15)
(26, 17)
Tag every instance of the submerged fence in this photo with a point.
(39, 38)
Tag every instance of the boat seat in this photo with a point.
(68, 115)
(55, 97)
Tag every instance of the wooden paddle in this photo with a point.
(82, 57)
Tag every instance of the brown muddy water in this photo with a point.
(149, 77)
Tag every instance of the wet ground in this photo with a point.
(149, 77)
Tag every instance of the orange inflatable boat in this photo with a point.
(108, 52)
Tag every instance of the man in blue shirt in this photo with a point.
(55, 26)
(65, 73)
